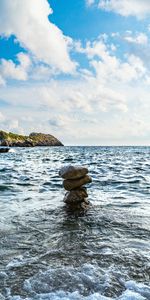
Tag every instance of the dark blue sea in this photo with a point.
(48, 252)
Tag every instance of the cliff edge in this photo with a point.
(10, 139)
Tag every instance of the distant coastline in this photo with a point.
(34, 139)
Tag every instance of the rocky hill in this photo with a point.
(34, 139)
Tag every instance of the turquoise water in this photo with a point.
(49, 252)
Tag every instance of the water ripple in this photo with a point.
(44, 246)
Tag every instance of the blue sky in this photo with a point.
(82, 22)
(76, 69)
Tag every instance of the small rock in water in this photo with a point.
(76, 196)
(73, 172)
(4, 150)
(70, 184)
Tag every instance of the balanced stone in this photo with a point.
(75, 177)
(73, 172)
(70, 184)
(76, 196)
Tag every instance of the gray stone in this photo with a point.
(76, 196)
(73, 172)
(70, 184)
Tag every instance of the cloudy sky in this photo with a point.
(78, 69)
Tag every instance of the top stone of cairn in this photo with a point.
(73, 172)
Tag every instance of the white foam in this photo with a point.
(129, 295)
(140, 288)
(1, 297)
(69, 283)
(61, 295)
(12, 150)
(20, 261)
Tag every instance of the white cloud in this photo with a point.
(121, 72)
(88, 110)
(13, 125)
(109, 89)
(2, 117)
(107, 103)
(28, 21)
(108, 67)
(2, 81)
(9, 69)
(9, 123)
(96, 48)
(90, 2)
(140, 38)
(137, 8)
(138, 44)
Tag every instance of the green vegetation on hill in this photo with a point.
(13, 136)
(34, 139)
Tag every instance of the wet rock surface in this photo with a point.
(75, 177)
(73, 172)
(4, 150)
(71, 184)
(76, 196)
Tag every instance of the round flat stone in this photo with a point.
(70, 184)
(73, 172)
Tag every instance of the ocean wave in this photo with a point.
(87, 283)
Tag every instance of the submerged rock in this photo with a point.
(4, 150)
(76, 196)
(78, 208)
(71, 184)
(34, 139)
(73, 172)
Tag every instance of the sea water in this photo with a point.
(48, 252)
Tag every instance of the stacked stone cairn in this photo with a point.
(75, 177)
